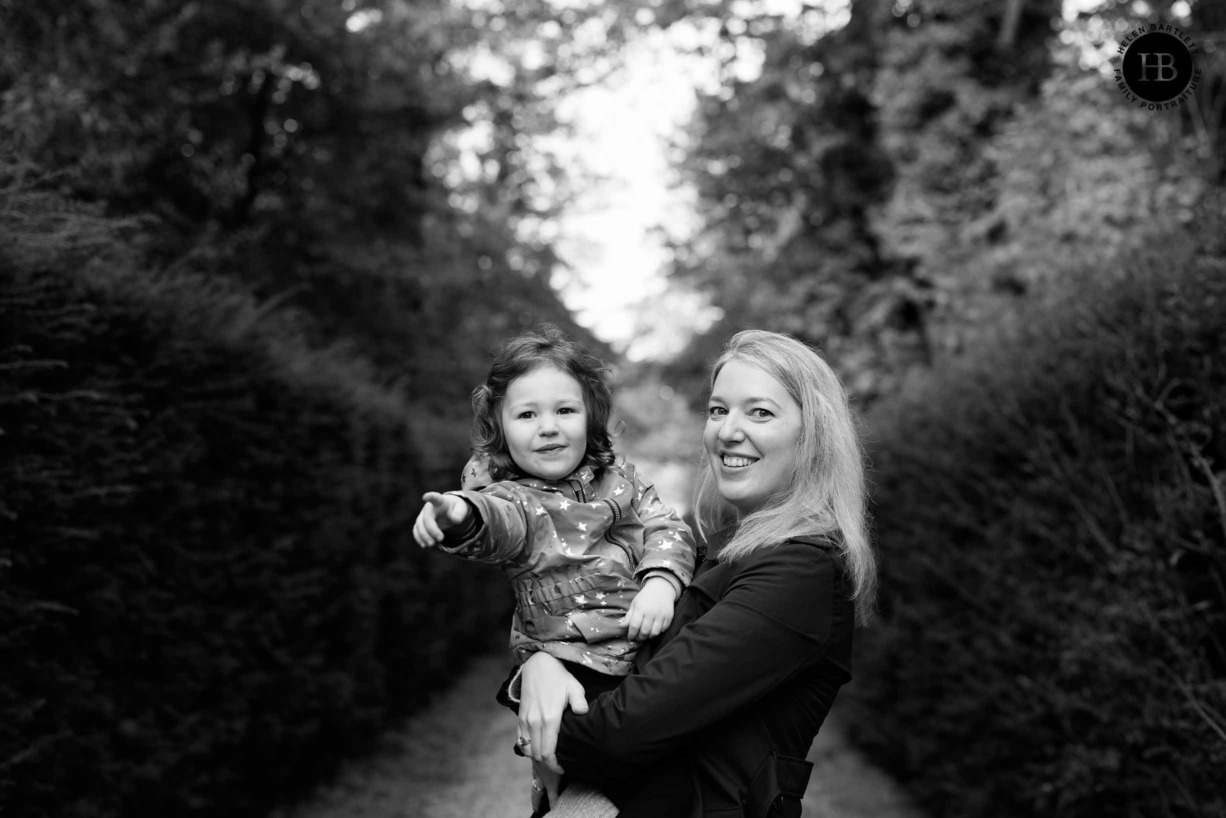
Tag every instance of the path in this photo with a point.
(454, 761)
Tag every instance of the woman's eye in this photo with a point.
(760, 413)
(716, 411)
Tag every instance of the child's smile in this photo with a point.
(544, 421)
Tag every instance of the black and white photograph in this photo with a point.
(612, 408)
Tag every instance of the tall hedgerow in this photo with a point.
(208, 591)
(1051, 514)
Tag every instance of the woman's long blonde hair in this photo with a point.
(825, 497)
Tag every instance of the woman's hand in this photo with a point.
(545, 783)
(546, 690)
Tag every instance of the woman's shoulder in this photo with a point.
(797, 559)
(799, 582)
(804, 547)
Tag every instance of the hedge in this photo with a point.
(1051, 514)
(209, 593)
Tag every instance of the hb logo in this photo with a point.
(1157, 66)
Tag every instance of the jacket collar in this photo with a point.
(580, 478)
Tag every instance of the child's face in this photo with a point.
(544, 421)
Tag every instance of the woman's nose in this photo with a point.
(730, 429)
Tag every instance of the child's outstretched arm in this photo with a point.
(440, 512)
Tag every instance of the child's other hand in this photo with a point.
(651, 610)
(441, 512)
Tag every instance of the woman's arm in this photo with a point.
(546, 690)
(774, 618)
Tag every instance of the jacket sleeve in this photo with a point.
(774, 618)
(507, 528)
(668, 544)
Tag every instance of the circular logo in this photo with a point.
(1157, 66)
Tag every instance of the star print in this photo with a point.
(540, 510)
(583, 526)
(620, 490)
(664, 546)
(565, 504)
(581, 600)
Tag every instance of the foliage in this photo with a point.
(1069, 181)
(254, 253)
(242, 309)
(847, 122)
(1053, 541)
(786, 165)
(203, 540)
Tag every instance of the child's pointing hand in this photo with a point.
(440, 512)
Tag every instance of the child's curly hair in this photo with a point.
(545, 346)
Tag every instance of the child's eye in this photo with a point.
(567, 410)
(526, 415)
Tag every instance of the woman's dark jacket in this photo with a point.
(740, 682)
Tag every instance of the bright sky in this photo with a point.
(611, 240)
(610, 237)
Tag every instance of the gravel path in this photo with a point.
(454, 761)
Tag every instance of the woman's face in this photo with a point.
(752, 435)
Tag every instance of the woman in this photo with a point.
(760, 643)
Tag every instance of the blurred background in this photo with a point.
(254, 254)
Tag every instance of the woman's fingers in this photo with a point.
(542, 732)
(546, 690)
(545, 781)
(577, 698)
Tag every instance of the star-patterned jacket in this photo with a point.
(576, 551)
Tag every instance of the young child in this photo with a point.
(596, 560)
